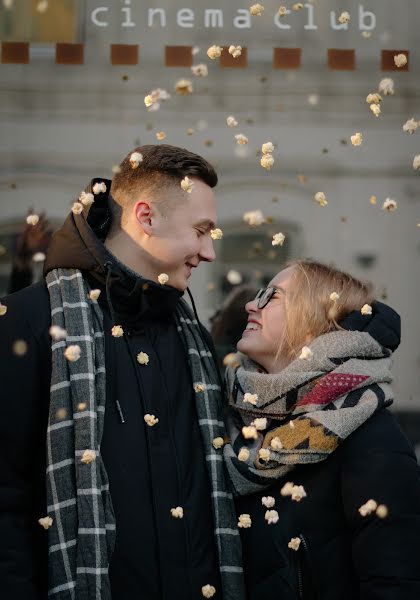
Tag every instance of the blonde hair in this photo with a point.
(309, 309)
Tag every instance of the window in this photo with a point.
(22, 22)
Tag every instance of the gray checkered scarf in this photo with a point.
(310, 407)
(82, 536)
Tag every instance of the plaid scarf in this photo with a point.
(82, 536)
(311, 406)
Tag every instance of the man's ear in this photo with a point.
(144, 214)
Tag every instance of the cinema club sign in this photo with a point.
(129, 16)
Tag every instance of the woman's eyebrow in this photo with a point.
(279, 288)
(207, 223)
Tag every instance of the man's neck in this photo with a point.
(123, 247)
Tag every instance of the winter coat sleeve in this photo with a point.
(23, 419)
(386, 551)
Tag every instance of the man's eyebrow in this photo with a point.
(207, 223)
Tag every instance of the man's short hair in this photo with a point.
(161, 170)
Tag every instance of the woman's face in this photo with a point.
(266, 327)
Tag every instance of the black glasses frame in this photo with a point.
(264, 296)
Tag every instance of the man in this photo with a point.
(134, 502)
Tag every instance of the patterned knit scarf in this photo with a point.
(310, 407)
(82, 536)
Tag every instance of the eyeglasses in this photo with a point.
(264, 296)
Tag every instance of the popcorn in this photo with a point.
(135, 159)
(278, 239)
(372, 199)
(178, 512)
(218, 443)
(94, 294)
(400, 60)
(376, 109)
(298, 492)
(231, 121)
(410, 126)
(87, 199)
(366, 309)
(143, 358)
(20, 347)
(267, 161)
(356, 139)
(42, 6)
(235, 51)
(416, 162)
(200, 70)
(72, 353)
(282, 11)
(61, 414)
(306, 353)
(216, 234)
(214, 52)
(268, 501)
(187, 185)
(160, 135)
(344, 17)
(254, 218)
(190, 131)
(81, 406)
(373, 98)
(149, 100)
(276, 444)
(267, 148)
(208, 591)
(241, 139)
(366, 34)
(250, 398)
(313, 99)
(271, 516)
(198, 387)
(45, 522)
(390, 205)
(256, 10)
(260, 423)
(243, 454)
(244, 521)
(99, 188)
(321, 199)
(386, 86)
(163, 278)
(264, 454)
(32, 219)
(369, 507)
(3, 309)
(382, 511)
(77, 208)
(150, 420)
(234, 277)
(88, 457)
(291, 425)
(250, 432)
(294, 544)
(183, 87)
(297, 6)
(57, 333)
(287, 489)
(334, 296)
(117, 331)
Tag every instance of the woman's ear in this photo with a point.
(143, 213)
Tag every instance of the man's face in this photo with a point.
(181, 239)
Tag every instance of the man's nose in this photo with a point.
(207, 252)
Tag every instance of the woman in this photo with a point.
(328, 487)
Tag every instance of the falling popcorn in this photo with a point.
(88, 457)
(218, 443)
(198, 387)
(306, 353)
(72, 353)
(61, 414)
(20, 347)
(32, 219)
(99, 188)
(241, 139)
(267, 161)
(276, 444)
(386, 86)
(87, 199)
(390, 205)
(297, 6)
(163, 278)
(143, 358)
(410, 126)
(373, 200)
(267, 148)
(81, 406)
(160, 135)
(268, 501)
(187, 185)
(243, 454)
(250, 432)
(282, 11)
(231, 121)
(94, 294)
(250, 398)
(376, 109)
(271, 516)
(178, 512)
(244, 521)
(368, 508)
(278, 239)
(416, 162)
(200, 70)
(57, 333)
(356, 139)
(150, 420)
(234, 277)
(149, 100)
(77, 208)
(256, 10)
(135, 159)
(400, 60)
(117, 331)
(183, 87)
(216, 234)
(298, 492)
(294, 544)
(42, 6)
(344, 17)
(287, 489)
(264, 454)
(3, 309)
(45, 522)
(254, 218)
(260, 423)
(374, 98)
(334, 296)
(366, 309)
(235, 51)
(208, 591)
(382, 511)
(291, 425)
(214, 52)
(321, 199)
